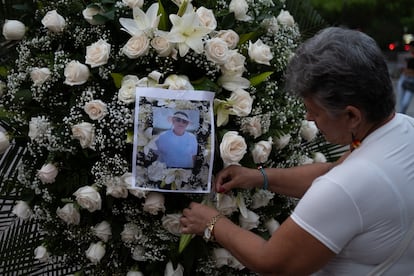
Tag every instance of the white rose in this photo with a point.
(102, 230)
(134, 273)
(85, 133)
(178, 82)
(76, 73)
(272, 225)
(282, 141)
(95, 252)
(126, 93)
(230, 37)
(22, 210)
(162, 46)
(130, 233)
(234, 263)
(227, 204)
(54, 21)
(271, 25)
(136, 46)
(261, 198)
(13, 30)
(97, 53)
(39, 75)
(48, 173)
(69, 214)
(261, 151)
(250, 222)
(171, 223)
(308, 130)
(241, 102)
(319, 157)
(207, 18)
(260, 52)
(154, 203)
(234, 64)
(239, 7)
(41, 253)
(216, 50)
(90, 12)
(88, 198)
(221, 257)
(96, 109)
(138, 193)
(232, 148)
(252, 126)
(285, 18)
(4, 142)
(170, 271)
(133, 3)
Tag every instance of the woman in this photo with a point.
(352, 214)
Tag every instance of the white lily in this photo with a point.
(142, 22)
(187, 32)
(176, 177)
(232, 82)
(242, 205)
(222, 109)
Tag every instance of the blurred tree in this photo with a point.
(384, 20)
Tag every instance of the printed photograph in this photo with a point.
(173, 140)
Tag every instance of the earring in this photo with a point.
(355, 143)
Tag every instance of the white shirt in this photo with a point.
(362, 207)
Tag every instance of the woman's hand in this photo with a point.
(196, 218)
(237, 177)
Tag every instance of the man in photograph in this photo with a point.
(177, 147)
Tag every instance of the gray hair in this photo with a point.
(340, 67)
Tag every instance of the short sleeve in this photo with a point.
(328, 213)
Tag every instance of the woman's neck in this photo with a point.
(367, 130)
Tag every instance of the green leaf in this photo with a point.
(184, 241)
(100, 19)
(258, 79)
(246, 37)
(23, 95)
(3, 71)
(110, 15)
(205, 84)
(117, 77)
(163, 24)
(183, 8)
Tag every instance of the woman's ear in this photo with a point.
(354, 116)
